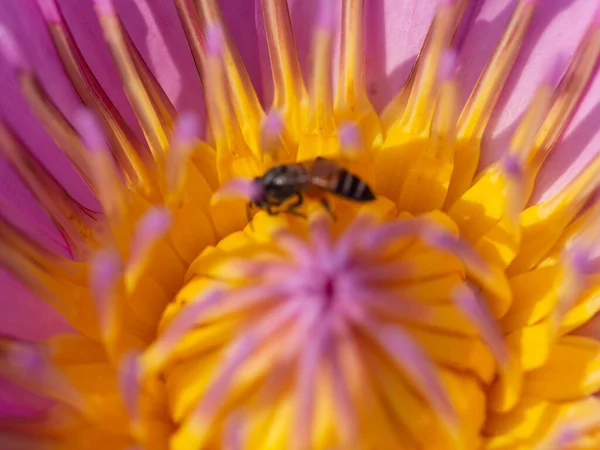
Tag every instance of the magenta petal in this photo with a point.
(24, 20)
(129, 379)
(25, 316)
(239, 15)
(83, 24)
(157, 33)
(579, 145)
(395, 30)
(20, 208)
(556, 29)
(304, 15)
(17, 402)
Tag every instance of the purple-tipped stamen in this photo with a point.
(11, 51)
(151, 227)
(350, 138)
(129, 384)
(239, 188)
(476, 311)
(50, 11)
(105, 7)
(409, 357)
(89, 130)
(215, 43)
(447, 66)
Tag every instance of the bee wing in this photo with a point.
(323, 173)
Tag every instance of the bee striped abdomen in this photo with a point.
(352, 187)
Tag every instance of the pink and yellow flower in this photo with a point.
(456, 311)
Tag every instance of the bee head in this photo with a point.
(259, 195)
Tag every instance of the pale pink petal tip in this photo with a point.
(105, 7)
(89, 130)
(446, 3)
(326, 17)
(234, 432)
(214, 40)
(512, 166)
(556, 70)
(597, 18)
(155, 223)
(447, 67)
(471, 305)
(349, 136)
(240, 187)
(11, 51)
(129, 379)
(105, 267)
(25, 357)
(187, 128)
(50, 10)
(579, 260)
(273, 124)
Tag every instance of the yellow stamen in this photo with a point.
(501, 242)
(420, 102)
(71, 300)
(78, 225)
(351, 102)
(165, 110)
(54, 122)
(140, 100)
(290, 95)
(568, 96)
(427, 183)
(543, 224)
(27, 365)
(242, 95)
(480, 105)
(319, 138)
(13, 238)
(408, 137)
(124, 144)
(397, 106)
(234, 157)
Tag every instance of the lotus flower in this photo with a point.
(144, 306)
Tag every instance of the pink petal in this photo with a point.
(24, 20)
(395, 30)
(25, 316)
(83, 23)
(18, 205)
(305, 14)
(16, 402)
(157, 33)
(239, 15)
(555, 29)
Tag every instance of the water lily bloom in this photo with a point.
(146, 305)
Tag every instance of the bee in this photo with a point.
(312, 179)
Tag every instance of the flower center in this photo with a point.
(345, 301)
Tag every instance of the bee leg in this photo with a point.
(327, 207)
(292, 208)
(293, 212)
